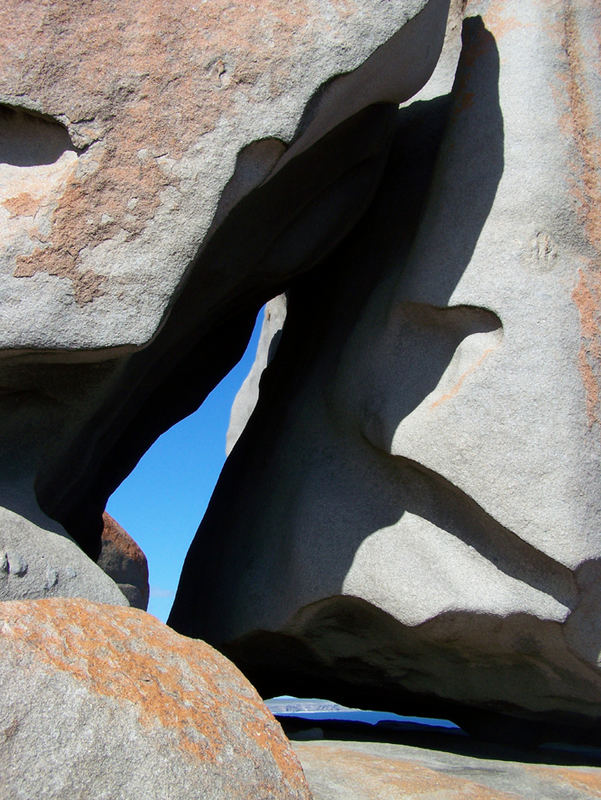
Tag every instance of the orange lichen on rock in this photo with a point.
(587, 782)
(369, 775)
(137, 82)
(21, 205)
(587, 297)
(580, 125)
(128, 656)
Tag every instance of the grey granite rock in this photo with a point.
(170, 174)
(417, 509)
(246, 398)
(107, 703)
(111, 183)
(37, 562)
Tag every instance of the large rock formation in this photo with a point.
(165, 169)
(417, 511)
(163, 175)
(106, 702)
(410, 518)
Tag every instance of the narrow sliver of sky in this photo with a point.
(161, 503)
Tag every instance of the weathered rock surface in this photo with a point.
(38, 562)
(413, 510)
(347, 770)
(123, 560)
(106, 702)
(163, 175)
(141, 116)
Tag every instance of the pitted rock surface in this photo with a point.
(106, 702)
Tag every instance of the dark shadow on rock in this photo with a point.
(28, 139)
(279, 230)
(315, 656)
(323, 309)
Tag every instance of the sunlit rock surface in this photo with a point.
(122, 125)
(364, 770)
(248, 394)
(411, 518)
(107, 702)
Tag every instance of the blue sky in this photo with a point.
(163, 500)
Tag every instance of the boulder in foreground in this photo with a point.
(106, 702)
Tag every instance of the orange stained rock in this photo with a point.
(113, 532)
(458, 384)
(369, 776)
(138, 82)
(22, 205)
(586, 781)
(128, 656)
(587, 297)
(497, 20)
(579, 123)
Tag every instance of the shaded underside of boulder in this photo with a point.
(106, 702)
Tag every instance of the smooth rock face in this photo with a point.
(105, 703)
(37, 562)
(248, 394)
(417, 510)
(123, 560)
(164, 172)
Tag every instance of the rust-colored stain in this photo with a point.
(587, 297)
(113, 532)
(23, 205)
(579, 124)
(369, 775)
(139, 81)
(588, 782)
(457, 386)
(128, 656)
(498, 22)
